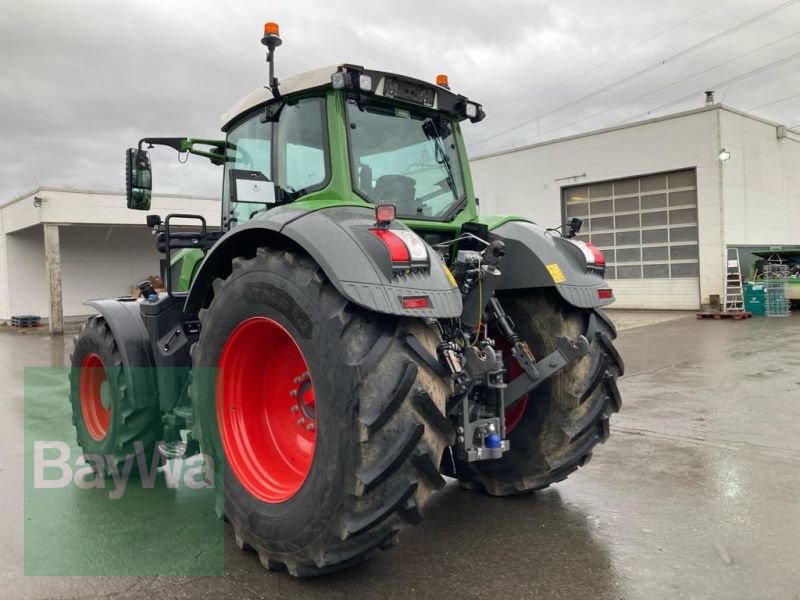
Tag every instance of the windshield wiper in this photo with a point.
(432, 133)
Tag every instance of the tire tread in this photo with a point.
(583, 425)
(399, 438)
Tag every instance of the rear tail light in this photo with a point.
(398, 251)
(406, 248)
(415, 245)
(416, 302)
(599, 259)
(593, 256)
(605, 294)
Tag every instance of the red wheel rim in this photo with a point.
(266, 411)
(96, 417)
(515, 413)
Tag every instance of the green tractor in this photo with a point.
(355, 331)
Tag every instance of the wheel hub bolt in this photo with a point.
(310, 427)
(295, 408)
(293, 394)
(300, 421)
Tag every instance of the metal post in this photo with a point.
(52, 253)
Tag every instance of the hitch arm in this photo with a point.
(567, 350)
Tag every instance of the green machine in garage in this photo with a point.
(754, 297)
(780, 255)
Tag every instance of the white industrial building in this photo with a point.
(663, 198)
(59, 247)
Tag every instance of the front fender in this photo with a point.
(535, 258)
(354, 260)
(124, 318)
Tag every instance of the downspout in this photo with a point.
(4, 276)
(724, 247)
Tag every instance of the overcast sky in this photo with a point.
(82, 80)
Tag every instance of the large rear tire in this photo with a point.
(554, 430)
(351, 418)
(106, 422)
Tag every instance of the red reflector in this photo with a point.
(397, 249)
(605, 294)
(599, 259)
(416, 302)
(385, 213)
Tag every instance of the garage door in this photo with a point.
(647, 229)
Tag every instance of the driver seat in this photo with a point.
(398, 190)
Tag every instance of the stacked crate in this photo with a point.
(775, 302)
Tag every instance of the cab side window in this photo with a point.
(249, 150)
(302, 155)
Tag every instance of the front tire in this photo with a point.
(333, 493)
(553, 432)
(105, 419)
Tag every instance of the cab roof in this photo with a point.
(320, 78)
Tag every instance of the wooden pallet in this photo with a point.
(25, 321)
(716, 314)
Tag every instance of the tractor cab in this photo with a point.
(341, 135)
(337, 135)
(349, 135)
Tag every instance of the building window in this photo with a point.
(645, 226)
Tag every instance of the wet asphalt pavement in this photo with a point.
(695, 495)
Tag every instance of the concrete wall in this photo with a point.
(681, 292)
(105, 248)
(19, 214)
(27, 273)
(761, 183)
(92, 208)
(528, 182)
(104, 262)
(96, 262)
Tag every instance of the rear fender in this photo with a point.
(124, 318)
(536, 258)
(353, 259)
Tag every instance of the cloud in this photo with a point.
(83, 81)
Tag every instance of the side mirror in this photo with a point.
(138, 184)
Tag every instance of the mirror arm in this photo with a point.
(174, 143)
(187, 145)
(212, 154)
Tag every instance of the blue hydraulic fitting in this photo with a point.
(493, 440)
(148, 292)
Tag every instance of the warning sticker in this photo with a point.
(556, 273)
(449, 274)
